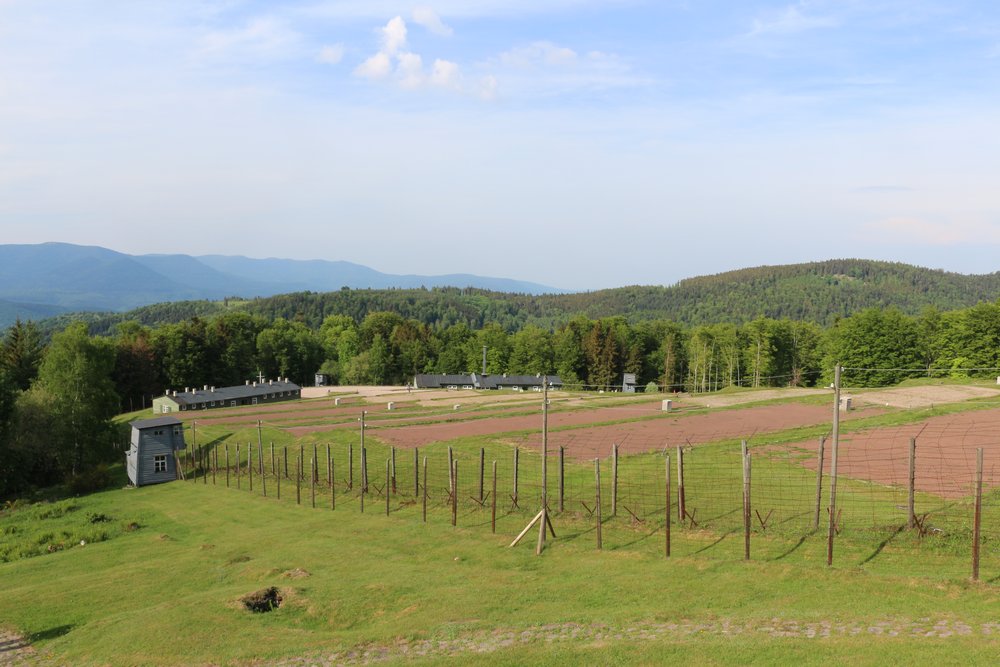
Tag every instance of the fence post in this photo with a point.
(614, 480)
(911, 519)
(274, 472)
(666, 510)
(263, 477)
(681, 508)
(493, 520)
(227, 465)
(454, 494)
(364, 485)
(298, 479)
(819, 482)
(977, 517)
(746, 500)
(451, 472)
(286, 461)
(516, 452)
(329, 469)
(833, 466)
(597, 509)
(393, 454)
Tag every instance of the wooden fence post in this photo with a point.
(454, 494)
(819, 482)
(364, 470)
(274, 472)
(298, 479)
(666, 510)
(516, 466)
(329, 468)
(911, 518)
(746, 501)
(393, 478)
(681, 507)
(314, 468)
(493, 497)
(227, 465)
(597, 509)
(977, 517)
(263, 477)
(286, 461)
(451, 472)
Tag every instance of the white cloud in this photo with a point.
(426, 17)
(446, 74)
(376, 67)
(262, 37)
(792, 19)
(410, 70)
(538, 53)
(331, 54)
(393, 35)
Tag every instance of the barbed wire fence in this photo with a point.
(902, 490)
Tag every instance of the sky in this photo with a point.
(581, 144)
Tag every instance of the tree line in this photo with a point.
(57, 399)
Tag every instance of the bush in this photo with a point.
(652, 388)
(97, 478)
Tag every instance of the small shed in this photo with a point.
(152, 457)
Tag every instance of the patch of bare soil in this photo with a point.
(484, 642)
(925, 396)
(15, 650)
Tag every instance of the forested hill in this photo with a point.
(817, 292)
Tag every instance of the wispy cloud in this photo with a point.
(792, 19)
(331, 54)
(259, 38)
(426, 17)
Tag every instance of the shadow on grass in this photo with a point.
(793, 549)
(51, 633)
(883, 544)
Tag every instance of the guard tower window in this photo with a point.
(160, 463)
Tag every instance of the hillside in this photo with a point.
(819, 292)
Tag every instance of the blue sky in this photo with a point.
(576, 143)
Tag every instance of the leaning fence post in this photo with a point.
(911, 519)
(977, 517)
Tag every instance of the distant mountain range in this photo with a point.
(48, 279)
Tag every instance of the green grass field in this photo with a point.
(155, 575)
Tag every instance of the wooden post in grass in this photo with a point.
(454, 495)
(250, 465)
(597, 506)
(263, 477)
(260, 451)
(314, 467)
(493, 500)
(681, 508)
(298, 479)
(482, 466)
(911, 518)
(425, 490)
(666, 509)
(562, 477)
(364, 471)
(833, 466)
(194, 445)
(329, 469)
(977, 517)
(300, 471)
(227, 465)
(239, 465)
(387, 482)
(285, 455)
(614, 480)
(746, 500)
(392, 453)
(819, 482)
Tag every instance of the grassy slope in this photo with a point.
(167, 593)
